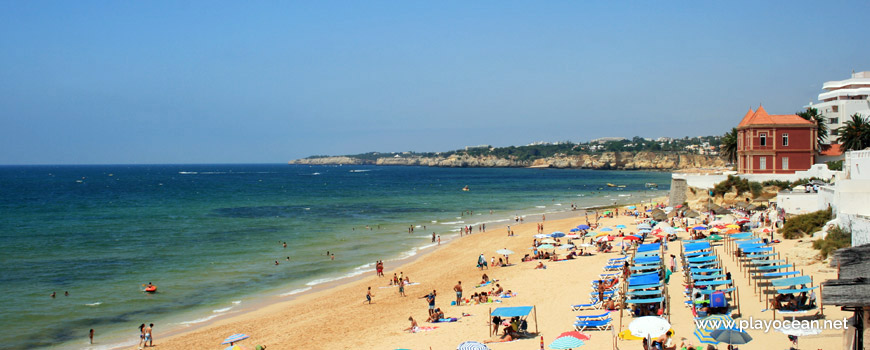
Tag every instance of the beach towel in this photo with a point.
(443, 320)
(423, 329)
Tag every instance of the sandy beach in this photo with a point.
(339, 318)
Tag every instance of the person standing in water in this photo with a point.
(91, 335)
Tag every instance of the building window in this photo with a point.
(762, 163)
(834, 121)
(835, 132)
(835, 109)
(785, 139)
(784, 163)
(762, 139)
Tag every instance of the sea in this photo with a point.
(208, 236)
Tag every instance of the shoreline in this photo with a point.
(264, 300)
(325, 290)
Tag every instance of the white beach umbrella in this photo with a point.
(549, 241)
(472, 345)
(505, 251)
(649, 326)
(541, 235)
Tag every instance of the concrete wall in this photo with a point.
(707, 181)
(678, 192)
(798, 202)
(853, 197)
(857, 165)
(859, 225)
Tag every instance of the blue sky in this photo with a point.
(264, 82)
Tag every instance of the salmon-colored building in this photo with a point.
(774, 144)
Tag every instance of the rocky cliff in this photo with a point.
(605, 160)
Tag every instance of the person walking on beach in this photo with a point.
(402, 287)
(439, 240)
(458, 289)
(433, 237)
(369, 296)
(141, 335)
(149, 337)
(91, 336)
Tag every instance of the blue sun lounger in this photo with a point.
(590, 306)
(606, 314)
(600, 325)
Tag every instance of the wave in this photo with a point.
(198, 320)
(452, 222)
(295, 291)
(359, 170)
(217, 311)
(188, 172)
(540, 206)
(237, 302)
(358, 271)
(94, 304)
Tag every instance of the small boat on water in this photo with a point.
(651, 185)
(151, 288)
(610, 185)
(620, 186)
(466, 188)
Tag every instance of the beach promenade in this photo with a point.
(339, 318)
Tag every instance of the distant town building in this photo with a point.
(774, 144)
(842, 99)
(468, 148)
(607, 139)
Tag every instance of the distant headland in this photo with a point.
(614, 153)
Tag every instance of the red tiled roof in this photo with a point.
(760, 117)
(746, 117)
(834, 150)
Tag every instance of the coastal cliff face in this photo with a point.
(605, 160)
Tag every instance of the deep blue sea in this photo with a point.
(208, 235)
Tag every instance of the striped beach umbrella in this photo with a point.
(710, 324)
(234, 338)
(566, 343)
(576, 334)
(472, 345)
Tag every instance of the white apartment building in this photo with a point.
(842, 99)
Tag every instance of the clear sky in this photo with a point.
(265, 82)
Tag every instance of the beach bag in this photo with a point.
(717, 299)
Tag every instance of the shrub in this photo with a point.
(836, 165)
(798, 226)
(837, 238)
(739, 185)
(778, 183)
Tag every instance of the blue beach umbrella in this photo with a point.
(699, 228)
(590, 234)
(620, 226)
(574, 230)
(731, 336)
(557, 234)
(583, 227)
(566, 343)
(644, 226)
(546, 246)
(234, 338)
(632, 207)
(606, 229)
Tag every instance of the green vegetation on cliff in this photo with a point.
(708, 145)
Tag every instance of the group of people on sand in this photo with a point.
(511, 331)
(146, 338)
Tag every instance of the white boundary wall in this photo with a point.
(708, 181)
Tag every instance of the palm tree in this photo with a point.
(813, 115)
(855, 133)
(729, 145)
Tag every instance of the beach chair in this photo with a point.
(615, 267)
(589, 306)
(600, 325)
(606, 314)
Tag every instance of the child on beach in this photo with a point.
(369, 296)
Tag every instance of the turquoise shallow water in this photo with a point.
(208, 235)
